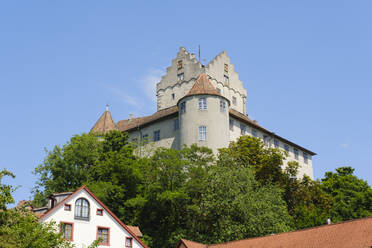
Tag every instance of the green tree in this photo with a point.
(351, 196)
(251, 152)
(20, 228)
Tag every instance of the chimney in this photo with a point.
(130, 117)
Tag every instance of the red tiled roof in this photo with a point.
(104, 124)
(183, 243)
(349, 234)
(246, 119)
(126, 125)
(203, 86)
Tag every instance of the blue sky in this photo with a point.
(306, 66)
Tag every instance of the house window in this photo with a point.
(202, 103)
(179, 64)
(99, 211)
(128, 242)
(226, 68)
(231, 124)
(180, 76)
(157, 135)
(305, 157)
(67, 230)
(104, 234)
(234, 100)
(254, 133)
(222, 106)
(219, 90)
(226, 79)
(82, 209)
(67, 207)
(243, 129)
(202, 133)
(183, 107)
(276, 143)
(172, 96)
(176, 124)
(286, 147)
(295, 153)
(266, 139)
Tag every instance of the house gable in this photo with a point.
(86, 230)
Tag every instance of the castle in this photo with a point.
(203, 105)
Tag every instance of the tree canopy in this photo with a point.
(245, 191)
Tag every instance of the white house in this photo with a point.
(83, 218)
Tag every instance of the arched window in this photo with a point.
(82, 209)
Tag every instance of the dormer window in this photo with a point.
(82, 209)
(180, 76)
(226, 68)
(226, 79)
(179, 64)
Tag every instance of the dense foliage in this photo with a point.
(20, 228)
(190, 193)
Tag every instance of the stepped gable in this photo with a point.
(131, 124)
(104, 124)
(203, 86)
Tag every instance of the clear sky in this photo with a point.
(306, 65)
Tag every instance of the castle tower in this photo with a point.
(104, 124)
(204, 116)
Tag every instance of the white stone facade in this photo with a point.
(159, 130)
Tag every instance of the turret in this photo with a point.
(204, 116)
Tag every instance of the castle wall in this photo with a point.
(169, 137)
(216, 122)
(305, 168)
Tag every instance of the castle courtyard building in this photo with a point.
(203, 105)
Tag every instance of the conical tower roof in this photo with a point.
(203, 86)
(104, 124)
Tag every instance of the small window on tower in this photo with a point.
(172, 96)
(222, 106)
(202, 133)
(179, 64)
(234, 100)
(226, 79)
(219, 90)
(202, 103)
(226, 68)
(180, 76)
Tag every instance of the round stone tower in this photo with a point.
(204, 116)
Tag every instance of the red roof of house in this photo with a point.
(349, 234)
